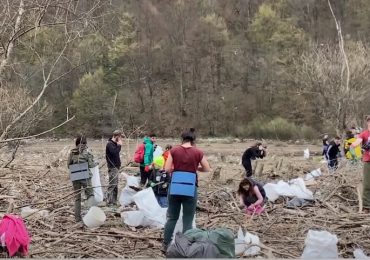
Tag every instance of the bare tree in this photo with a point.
(21, 21)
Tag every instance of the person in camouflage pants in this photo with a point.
(80, 154)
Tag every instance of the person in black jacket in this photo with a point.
(112, 151)
(333, 153)
(253, 152)
(325, 145)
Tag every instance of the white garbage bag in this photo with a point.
(299, 190)
(95, 182)
(158, 151)
(126, 197)
(313, 174)
(359, 254)
(320, 245)
(306, 153)
(242, 243)
(293, 188)
(133, 218)
(148, 204)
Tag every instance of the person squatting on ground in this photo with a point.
(112, 156)
(77, 155)
(147, 166)
(364, 139)
(183, 161)
(253, 152)
(252, 196)
(159, 181)
(333, 153)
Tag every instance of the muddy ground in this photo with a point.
(38, 178)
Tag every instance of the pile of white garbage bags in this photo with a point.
(292, 188)
(149, 213)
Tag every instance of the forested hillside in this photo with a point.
(226, 67)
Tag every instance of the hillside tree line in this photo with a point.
(247, 68)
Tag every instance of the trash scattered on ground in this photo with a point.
(293, 188)
(299, 203)
(313, 174)
(306, 153)
(320, 245)
(243, 244)
(359, 254)
(94, 218)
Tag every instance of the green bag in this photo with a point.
(222, 238)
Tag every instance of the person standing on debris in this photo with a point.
(325, 145)
(183, 161)
(251, 196)
(364, 139)
(112, 155)
(147, 166)
(333, 153)
(354, 155)
(79, 155)
(166, 152)
(253, 152)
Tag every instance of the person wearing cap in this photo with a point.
(183, 161)
(112, 155)
(252, 153)
(364, 139)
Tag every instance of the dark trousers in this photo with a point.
(144, 176)
(333, 164)
(113, 186)
(78, 187)
(189, 205)
(366, 186)
(248, 168)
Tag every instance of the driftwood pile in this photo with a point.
(282, 231)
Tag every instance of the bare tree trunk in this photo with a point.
(344, 87)
(10, 47)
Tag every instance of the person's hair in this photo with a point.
(188, 136)
(337, 137)
(168, 147)
(241, 190)
(117, 133)
(80, 139)
(349, 134)
(368, 118)
(152, 135)
(256, 144)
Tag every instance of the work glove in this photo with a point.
(147, 168)
(352, 152)
(152, 184)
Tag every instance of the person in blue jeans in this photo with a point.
(183, 159)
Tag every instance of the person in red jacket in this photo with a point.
(364, 139)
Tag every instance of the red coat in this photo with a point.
(16, 236)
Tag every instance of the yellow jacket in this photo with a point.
(357, 149)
